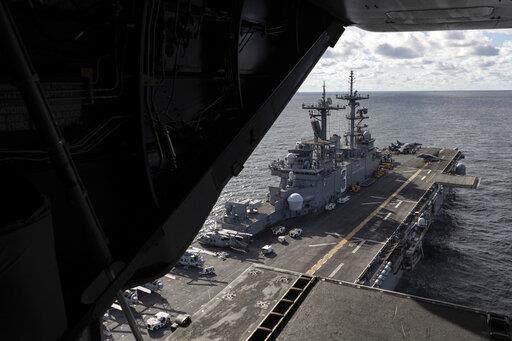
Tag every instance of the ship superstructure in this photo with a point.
(359, 154)
(311, 175)
(317, 172)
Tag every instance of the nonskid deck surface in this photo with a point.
(340, 311)
(338, 244)
(239, 308)
(330, 310)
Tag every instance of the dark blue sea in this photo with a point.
(468, 251)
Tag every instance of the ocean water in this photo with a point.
(468, 251)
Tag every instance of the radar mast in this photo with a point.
(320, 111)
(355, 117)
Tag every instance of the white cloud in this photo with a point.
(486, 50)
(454, 35)
(399, 52)
(441, 60)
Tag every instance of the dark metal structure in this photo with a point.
(134, 87)
(320, 110)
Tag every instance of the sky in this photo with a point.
(415, 61)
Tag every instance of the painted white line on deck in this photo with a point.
(359, 246)
(170, 276)
(369, 240)
(325, 244)
(399, 203)
(336, 270)
(371, 203)
(423, 177)
(376, 197)
(430, 170)
(362, 224)
(387, 216)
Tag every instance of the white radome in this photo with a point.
(295, 201)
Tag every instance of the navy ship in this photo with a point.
(345, 211)
(317, 173)
(323, 173)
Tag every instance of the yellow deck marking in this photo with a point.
(352, 233)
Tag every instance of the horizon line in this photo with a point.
(457, 90)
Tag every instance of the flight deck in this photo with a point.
(285, 305)
(336, 245)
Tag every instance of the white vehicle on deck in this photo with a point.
(155, 285)
(344, 199)
(278, 230)
(208, 270)
(267, 249)
(282, 239)
(295, 233)
(131, 297)
(158, 321)
(330, 206)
